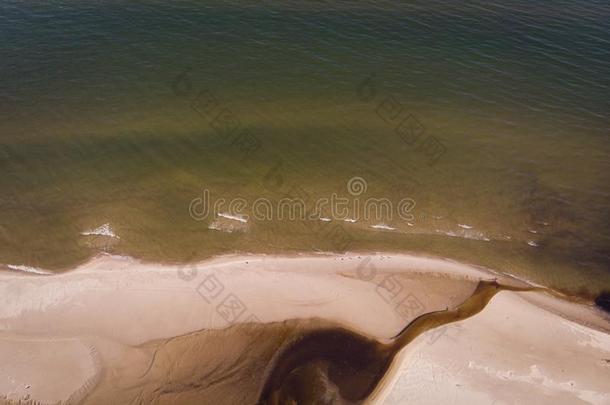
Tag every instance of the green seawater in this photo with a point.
(492, 117)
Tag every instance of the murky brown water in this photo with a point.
(98, 127)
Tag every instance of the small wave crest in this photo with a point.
(28, 269)
(232, 217)
(383, 226)
(103, 230)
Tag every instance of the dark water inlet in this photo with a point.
(338, 366)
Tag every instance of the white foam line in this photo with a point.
(103, 230)
(215, 227)
(383, 226)
(349, 220)
(465, 235)
(465, 226)
(325, 219)
(28, 269)
(532, 243)
(233, 217)
(523, 279)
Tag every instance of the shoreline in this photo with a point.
(238, 256)
(119, 306)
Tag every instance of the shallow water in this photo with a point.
(106, 118)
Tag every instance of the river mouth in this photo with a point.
(338, 366)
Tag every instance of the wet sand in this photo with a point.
(220, 331)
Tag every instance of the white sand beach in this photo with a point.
(103, 324)
(511, 352)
